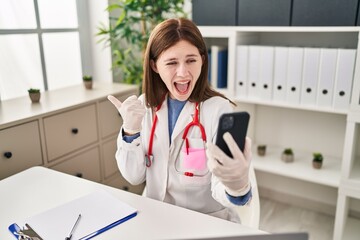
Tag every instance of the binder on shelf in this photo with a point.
(344, 78)
(294, 74)
(253, 71)
(266, 72)
(241, 71)
(222, 68)
(280, 72)
(99, 211)
(327, 69)
(209, 65)
(218, 66)
(310, 76)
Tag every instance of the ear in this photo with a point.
(153, 66)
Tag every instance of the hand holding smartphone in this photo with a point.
(236, 124)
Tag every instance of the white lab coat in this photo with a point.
(204, 194)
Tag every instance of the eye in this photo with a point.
(191, 60)
(171, 63)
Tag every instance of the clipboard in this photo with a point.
(100, 212)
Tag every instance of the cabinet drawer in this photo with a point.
(110, 119)
(119, 182)
(85, 165)
(20, 148)
(110, 164)
(69, 131)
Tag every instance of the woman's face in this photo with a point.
(179, 67)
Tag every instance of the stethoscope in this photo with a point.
(149, 158)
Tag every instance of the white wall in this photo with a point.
(101, 55)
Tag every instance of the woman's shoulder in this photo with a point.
(217, 102)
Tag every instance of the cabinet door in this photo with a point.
(110, 119)
(216, 13)
(69, 131)
(263, 13)
(20, 148)
(85, 165)
(119, 182)
(324, 12)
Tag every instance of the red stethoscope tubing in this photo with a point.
(153, 127)
(194, 122)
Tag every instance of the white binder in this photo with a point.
(241, 71)
(310, 76)
(253, 71)
(280, 72)
(266, 72)
(294, 74)
(327, 69)
(344, 78)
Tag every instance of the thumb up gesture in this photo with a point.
(132, 112)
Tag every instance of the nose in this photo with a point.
(182, 70)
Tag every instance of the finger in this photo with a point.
(114, 101)
(216, 153)
(247, 149)
(232, 145)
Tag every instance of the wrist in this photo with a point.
(238, 192)
(129, 133)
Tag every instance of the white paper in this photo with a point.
(98, 210)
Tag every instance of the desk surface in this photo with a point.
(37, 189)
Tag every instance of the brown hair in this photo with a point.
(165, 35)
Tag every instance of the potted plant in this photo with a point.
(88, 81)
(261, 150)
(34, 94)
(287, 155)
(131, 22)
(317, 160)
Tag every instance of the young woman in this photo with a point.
(168, 133)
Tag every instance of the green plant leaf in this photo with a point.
(129, 30)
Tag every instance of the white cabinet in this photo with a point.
(68, 131)
(72, 130)
(303, 124)
(85, 164)
(20, 148)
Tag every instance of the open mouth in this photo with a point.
(182, 87)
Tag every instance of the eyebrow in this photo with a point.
(187, 56)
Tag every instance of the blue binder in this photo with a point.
(222, 68)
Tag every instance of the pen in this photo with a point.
(73, 228)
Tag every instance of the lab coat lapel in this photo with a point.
(185, 117)
(162, 129)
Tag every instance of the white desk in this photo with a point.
(37, 189)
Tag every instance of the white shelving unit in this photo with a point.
(305, 128)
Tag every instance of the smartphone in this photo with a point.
(236, 124)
